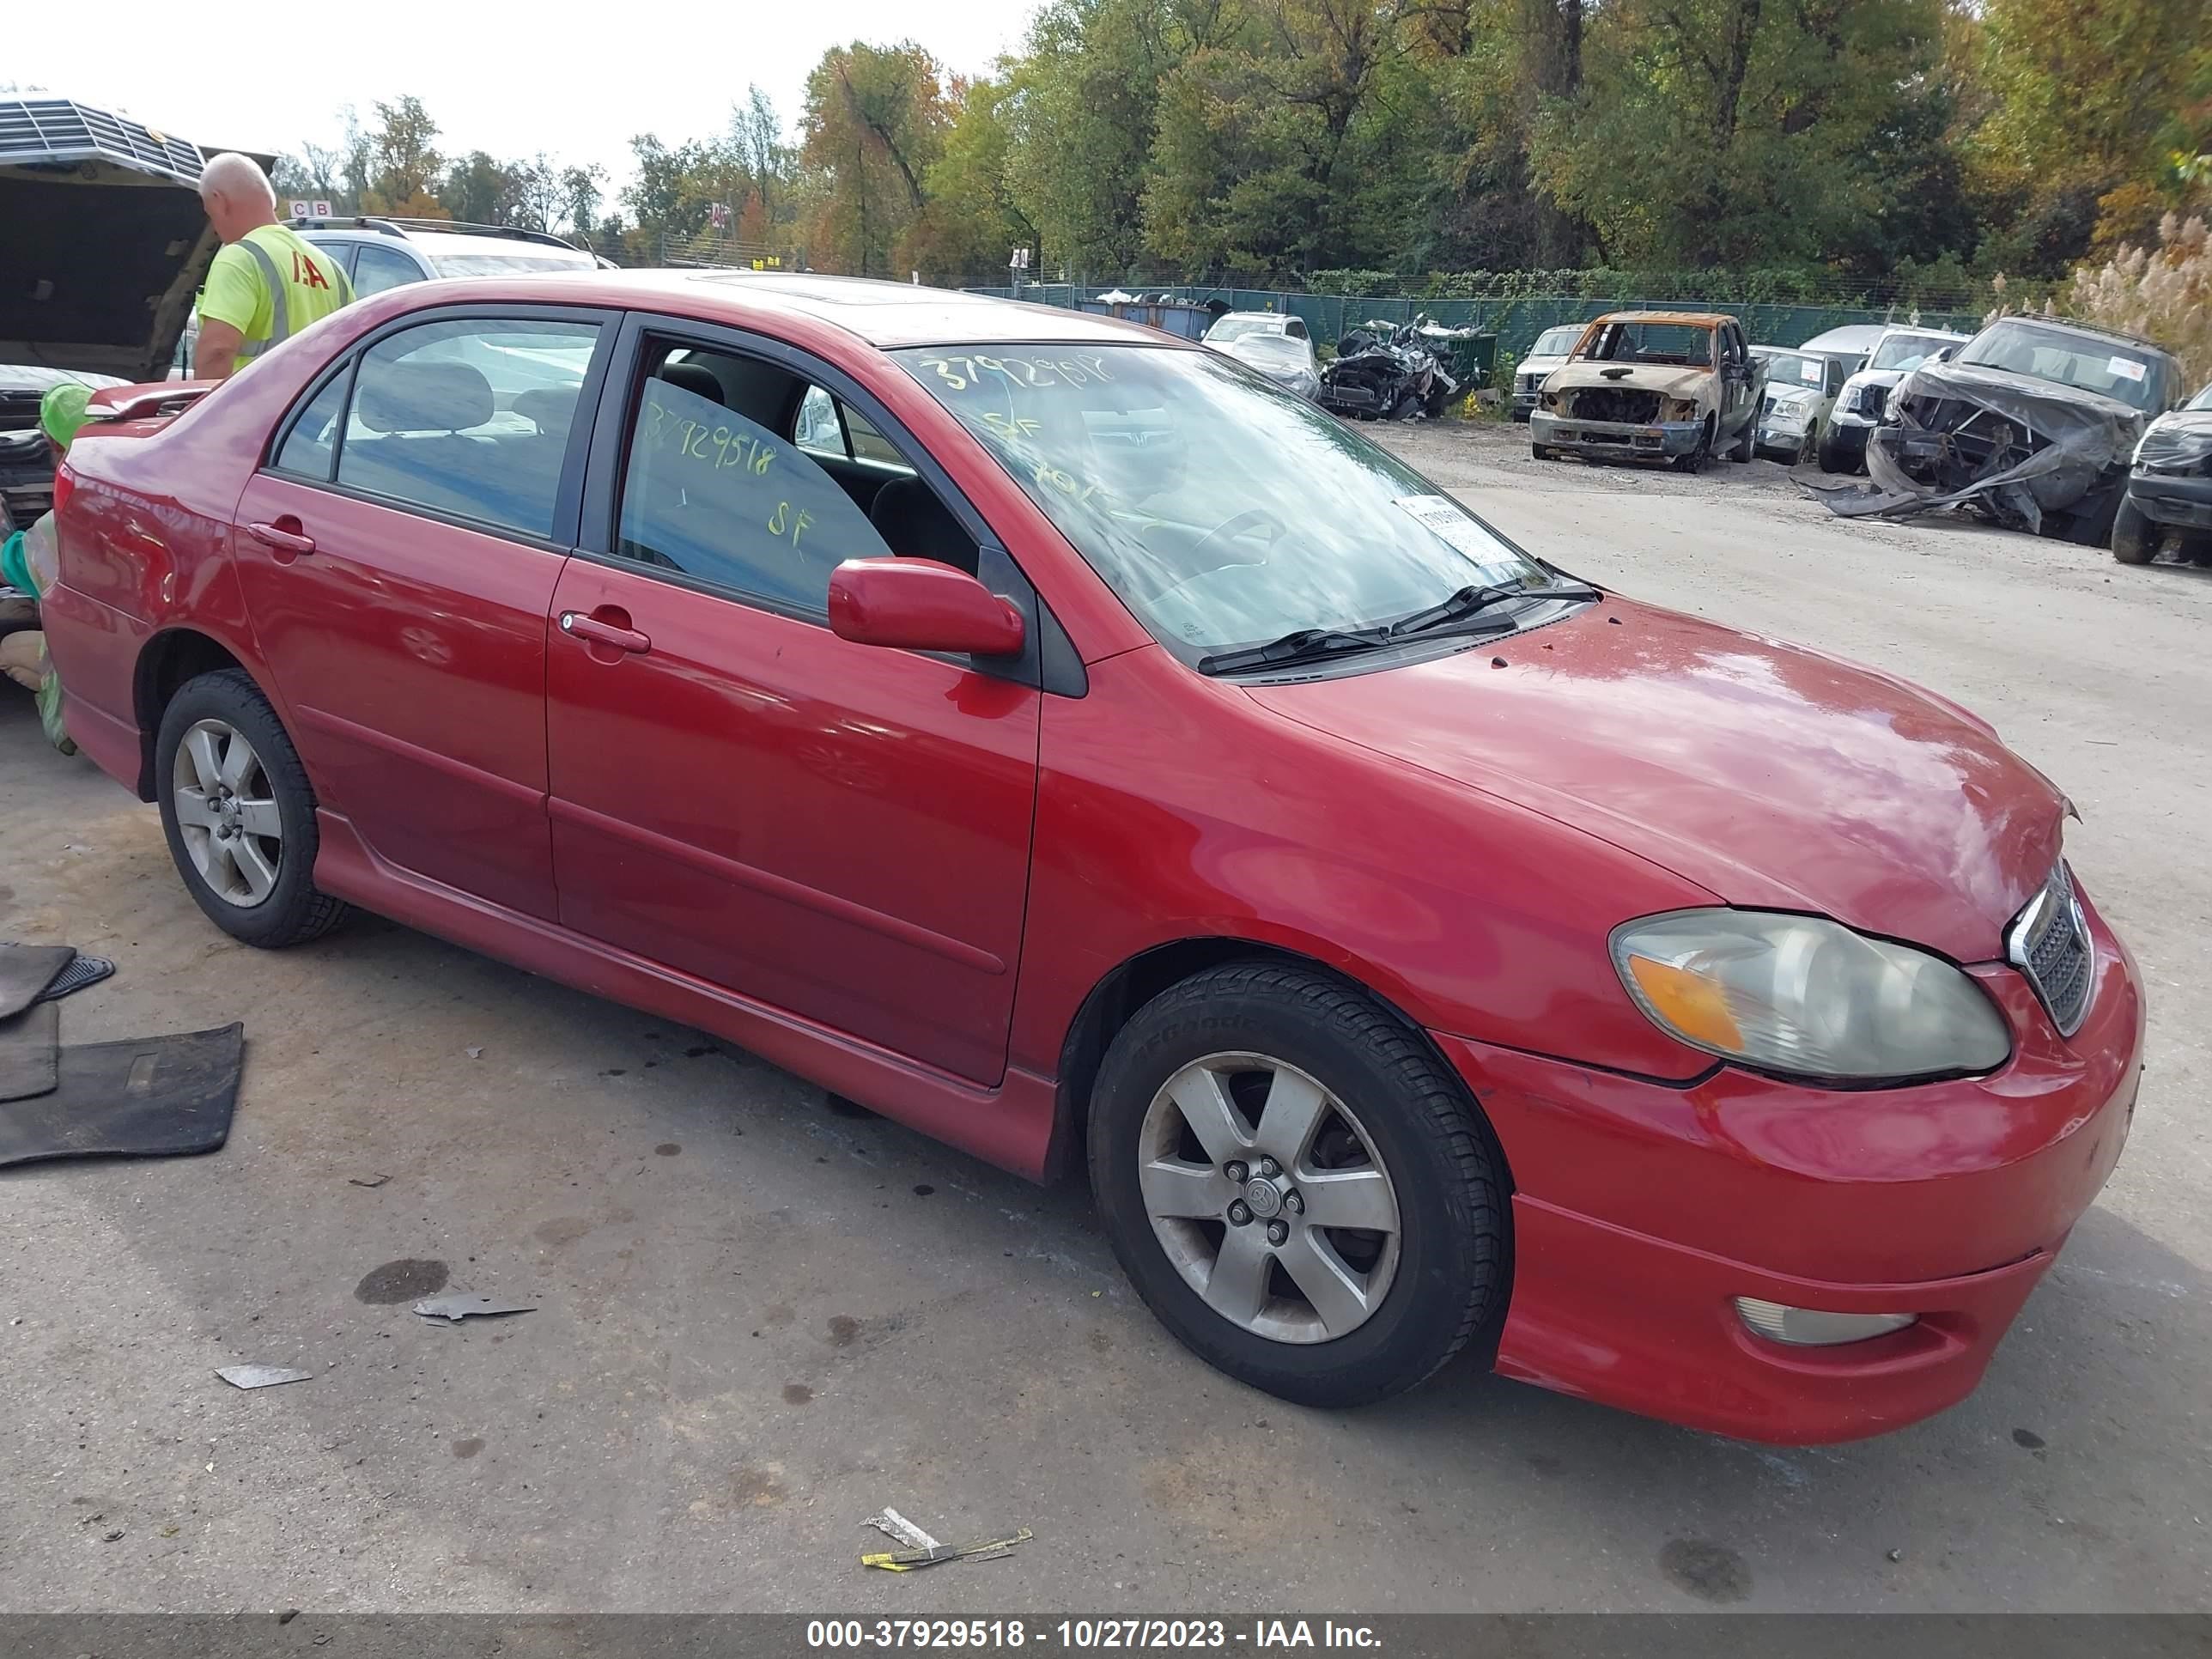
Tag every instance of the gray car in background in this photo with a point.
(1859, 405)
(1548, 353)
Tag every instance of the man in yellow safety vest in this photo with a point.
(266, 283)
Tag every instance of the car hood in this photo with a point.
(1667, 379)
(2178, 441)
(105, 243)
(1770, 775)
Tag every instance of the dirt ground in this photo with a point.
(760, 1320)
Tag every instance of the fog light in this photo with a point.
(1810, 1328)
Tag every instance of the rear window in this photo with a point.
(498, 264)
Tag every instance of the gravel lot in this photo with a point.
(762, 1320)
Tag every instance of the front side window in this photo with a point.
(470, 418)
(728, 501)
(379, 268)
(1223, 512)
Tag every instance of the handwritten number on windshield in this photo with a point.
(971, 372)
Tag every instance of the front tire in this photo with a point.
(1296, 1187)
(240, 813)
(1696, 459)
(1833, 458)
(2135, 537)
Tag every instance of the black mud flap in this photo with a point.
(26, 971)
(30, 1052)
(153, 1097)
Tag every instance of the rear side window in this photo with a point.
(468, 417)
(308, 447)
(380, 267)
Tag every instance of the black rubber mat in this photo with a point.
(30, 1051)
(155, 1097)
(85, 970)
(26, 971)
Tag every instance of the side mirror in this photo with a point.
(919, 605)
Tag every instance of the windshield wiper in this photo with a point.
(1299, 645)
(1474, 599)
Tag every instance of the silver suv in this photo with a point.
(379, 254)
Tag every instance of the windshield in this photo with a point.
(1907, 350)
(1556, 341)
(2107, 366)
(1274, 351)
(1225, 512)
(2202, 400)
(1785, 369)
(1239, 328)
(503, 264)
(1689, 344)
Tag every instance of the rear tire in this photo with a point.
(240, 814)
(1363, 1122)
(2135, 537)
(1745, 444)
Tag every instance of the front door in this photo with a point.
(838, 831)
(398, 556)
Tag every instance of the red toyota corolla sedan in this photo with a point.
(1061, 740)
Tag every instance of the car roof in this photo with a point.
(882, 313)
(438, 244)
(2088, 331)
(1705, 318)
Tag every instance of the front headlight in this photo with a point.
(1791, 417)
(1681, 409)
(1808, 997)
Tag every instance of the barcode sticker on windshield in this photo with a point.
(1449, 521)
(2126, 367)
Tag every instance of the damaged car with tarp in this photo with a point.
(2030, 425)
(2169, 494)
(1386, 373)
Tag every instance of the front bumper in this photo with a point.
(1653, 440)
(1781, 439)
(1641, 1211)
(2169, 498)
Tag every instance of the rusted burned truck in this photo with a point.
(1679, 386)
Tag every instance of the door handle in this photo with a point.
(599, 633)
(285, 541)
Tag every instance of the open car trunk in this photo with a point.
(103, 241)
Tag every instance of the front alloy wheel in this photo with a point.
(1268, 1198)
(227, 813)
(1297, 1185)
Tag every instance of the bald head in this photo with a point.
(237, 195)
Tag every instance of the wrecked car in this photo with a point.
(1385, 373)
(72, 178)
(1859, 405)
(2169, 490)
(2031, 425)
(1649, 385)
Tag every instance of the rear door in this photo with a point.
(399, 553)
(838, 831)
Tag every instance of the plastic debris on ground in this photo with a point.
(260, 1377)
(464, 1305)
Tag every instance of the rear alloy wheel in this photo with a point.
(1296, 1186)
(240, 813)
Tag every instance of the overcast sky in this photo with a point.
(510, 79)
